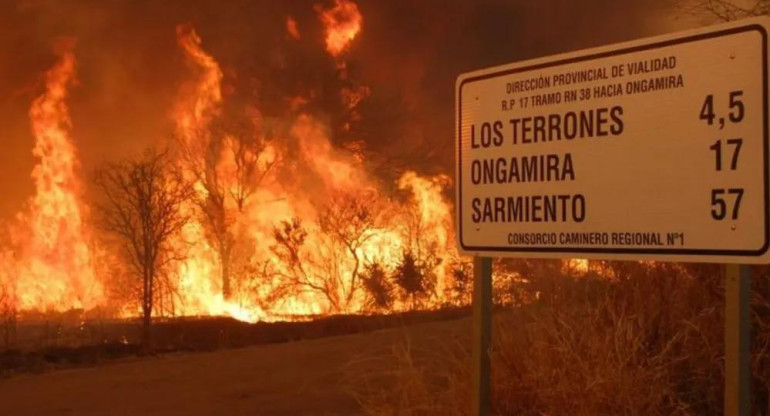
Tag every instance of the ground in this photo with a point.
(311, 377)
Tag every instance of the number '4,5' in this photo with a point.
(737, 109)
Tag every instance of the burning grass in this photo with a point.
(648, 341)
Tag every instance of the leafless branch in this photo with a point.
(141, 205)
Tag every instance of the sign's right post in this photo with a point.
(737, 340)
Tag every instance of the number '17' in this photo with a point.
(736, 146)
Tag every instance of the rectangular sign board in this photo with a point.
(654, 149)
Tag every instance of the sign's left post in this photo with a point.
(482, 334)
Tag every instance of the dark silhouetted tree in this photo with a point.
(379, 289)
(413, 279)
(462, 283)
(8, 314)
(727, 10)
(140, 205)
(345, 225)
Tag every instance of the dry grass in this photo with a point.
(648, 340)
(414, 381)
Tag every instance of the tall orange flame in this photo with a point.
(54, 262)
(200, 104)
(200, 287)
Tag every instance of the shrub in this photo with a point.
(414, 281)
(379, 290)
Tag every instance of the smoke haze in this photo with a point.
(409, 53)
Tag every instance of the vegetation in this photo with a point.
(413, 279)
(728, 10)
(8, 316)
(379, 289)
(226, 191)
(644, 339)
(141, 207)
(55, 344)
(333, 265)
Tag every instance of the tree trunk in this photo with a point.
(147, 312)
(227, 291)
(146, 334)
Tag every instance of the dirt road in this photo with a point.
(299, 378)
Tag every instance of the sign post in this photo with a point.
(737, 318)
(482, 333)
(656, 149)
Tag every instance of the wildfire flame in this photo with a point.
(342, 23)
(53, 263)
(200, 287)
(194, 113)
(323, 176)
(282, 227)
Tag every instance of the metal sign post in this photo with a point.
(737, 340)
(654, 149)
(482, 334)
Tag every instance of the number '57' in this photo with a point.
(719, 205)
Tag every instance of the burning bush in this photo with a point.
(379, 289)
(414, 280)
(462, 283)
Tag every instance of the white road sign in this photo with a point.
(652, 149)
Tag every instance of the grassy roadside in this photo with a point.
(209, 334)
(647, 341)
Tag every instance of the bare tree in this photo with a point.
(728, 10)
(140, 205)
(349, 221)
(345, 225)
(230, 168)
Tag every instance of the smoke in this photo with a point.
(408, 53)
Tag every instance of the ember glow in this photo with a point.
(292, 29)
